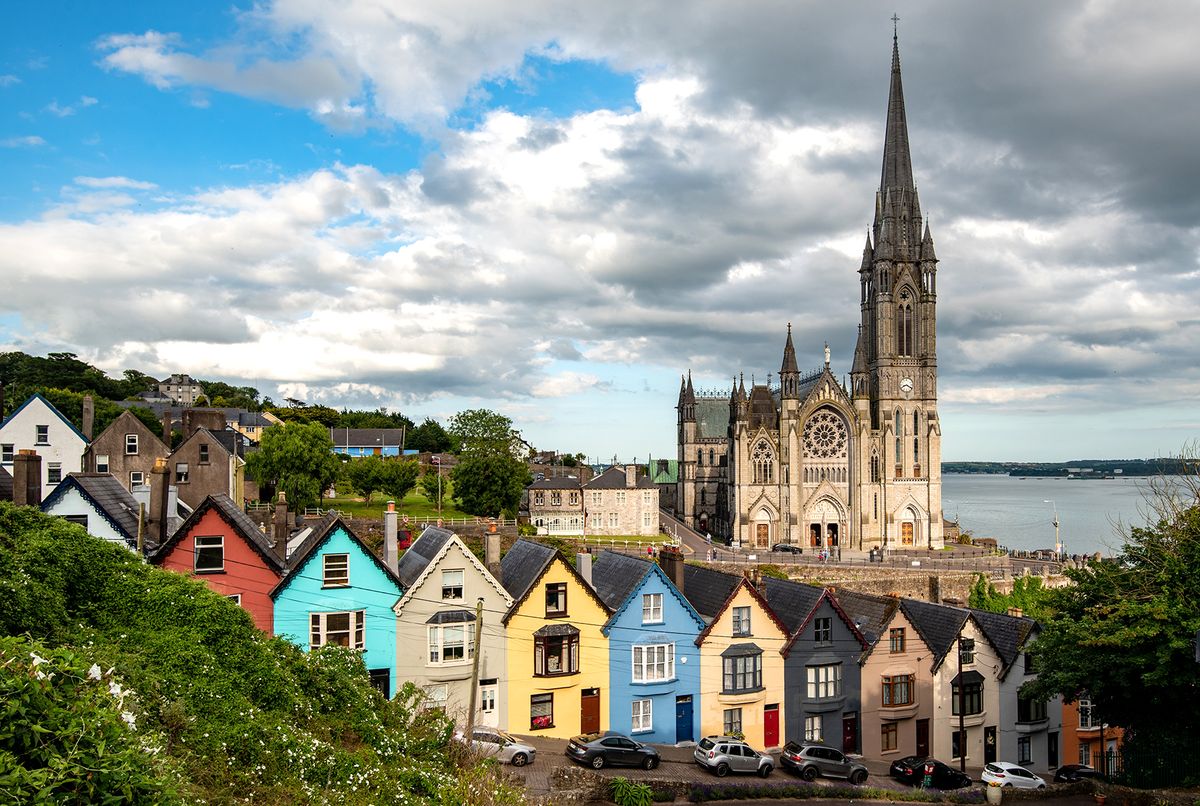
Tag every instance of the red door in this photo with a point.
(589, 711)
(771, 725)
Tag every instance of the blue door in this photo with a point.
(683, 719)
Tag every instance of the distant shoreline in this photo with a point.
(1078, 469)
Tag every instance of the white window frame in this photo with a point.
(7, 451)
(647, 498)
(355, 633)
(539, 499)
(335, 574)
(181, 472)
(620, 496)
(614, 520)
(437, 695)
(824, 682)
(452, 591)
(652, 608)
(646, 522)
(814, 728)
(595, 521)
(740, 620)
(41, 435)
(136, 478)
(131, 444)
(642, 720)
(54, 473)
(102, 463)
(211, 542)
(597, 498)
(487, 699)
(653, 663)
(449, 637)
(236, 598)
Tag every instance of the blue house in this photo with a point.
(654, 663)
(339, 592)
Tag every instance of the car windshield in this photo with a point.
(504, 737)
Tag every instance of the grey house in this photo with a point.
(821, 672)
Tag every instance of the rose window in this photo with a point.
(825, 436)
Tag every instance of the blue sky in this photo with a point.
(554, 210)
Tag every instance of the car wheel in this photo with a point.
(722, 770)
(520, 760)
(597, 762)
(809, 773)
(1008, 786)
(1041, 786)
(857, 777)
(765, 770)
(650, 763)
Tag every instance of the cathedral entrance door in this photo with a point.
(762, 535)
(906, 533)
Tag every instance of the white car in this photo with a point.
(500, 745)
(1006, 774)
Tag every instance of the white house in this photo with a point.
(98, 503)
(40, 427)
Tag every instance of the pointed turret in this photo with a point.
(689, 393)
(927, 252)
(868, 255)
(789, 354)
(897, 164)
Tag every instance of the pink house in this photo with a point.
(221, 545)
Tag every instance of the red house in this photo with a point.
(221, 545)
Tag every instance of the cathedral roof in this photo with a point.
(789, 354)
(712, 418)
(763, 412)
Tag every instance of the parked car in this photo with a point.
(1006, 774)
(602, 749)
(500, 745)
(810, 760)
(1070, 773)
(725, 754)
(911, 770)
(788, 547)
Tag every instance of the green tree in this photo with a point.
(429, 436)
(235, 397)
(1028, 594)
(483, 431)
(298, 458)
(379, 418)
(433, 485)
(365, 475)
(490, 483)
(399, 477)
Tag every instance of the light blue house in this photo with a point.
(654, 663)
(339, 592)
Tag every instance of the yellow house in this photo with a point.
(741, 669)
(557, 655)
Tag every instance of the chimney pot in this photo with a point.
(491, 555)
(391, 537)
(280, 526)
(27, 478)
(583, 564)
(159, 495)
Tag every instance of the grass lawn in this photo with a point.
(604, 540)
(415, 505)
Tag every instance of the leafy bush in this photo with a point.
(630, 793)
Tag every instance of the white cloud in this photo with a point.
(29, 141)
(8, 79)
(114, 182)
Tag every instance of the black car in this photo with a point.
(1070, 773)
(601, 749)
(911, 770)
(787, 547)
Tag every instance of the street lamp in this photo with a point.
(1057, 542)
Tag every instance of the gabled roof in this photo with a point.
(556, 483)
(791, 601)
(870, 613)
(1008, 634)
(756, 596)
(53, 410)
(937, 624)
(827, 596)
(106, 495)
(614, 479)
(421, 553)
(707, 590)
(444, 541)
(6, 485)
(527, 562)
(314, 541)
(617, 577)
(366, 437)
(118, 425)
(230, 441)
(237, 519)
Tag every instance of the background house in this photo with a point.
(38, 426)
(180, 389)
(127, 449)
(100, 504)
(367, 441)
(620, 501)
(209, 463)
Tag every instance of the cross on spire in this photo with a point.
(895, 24)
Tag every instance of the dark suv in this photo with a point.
(810, 760)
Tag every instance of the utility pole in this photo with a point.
(475, 669)
(964, 645)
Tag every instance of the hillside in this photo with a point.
(123, 683)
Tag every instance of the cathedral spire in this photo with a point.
(689, 394)
(897, 164)
(789, 354)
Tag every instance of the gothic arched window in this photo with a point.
(702, 498)
(904, 325)
(710, 457)
(763, 460)
(899, 428)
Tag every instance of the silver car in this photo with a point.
(725, 754)
(500, 745)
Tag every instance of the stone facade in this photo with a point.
(181, 390)
(619, 501)
(808, 461)
(127, 449)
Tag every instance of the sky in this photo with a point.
(553, 210)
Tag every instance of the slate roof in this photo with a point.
(712, 418)
(791, 601)
(318, 536)
(615, 575)
(420, 554)
(232, 514)
(614, 479)
(522, 565)
(556, 483)
(1006, 633)
(938, 625)
(366, 437)
(254, 418)
(707, 590)
(6, 485)
(231, 441)
(110, 499)
(871, 613)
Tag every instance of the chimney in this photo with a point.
(1015, 612)
(27, 478)
(630, 475)
(491, 555)
(166, 431)
(157, 528)
(671, 562)
(583, 564)
(89, 416)
(281, 526)
(391, 534)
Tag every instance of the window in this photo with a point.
(966, 648)
(823, 630)
(958, 741)
(812, 729)
(181, 472)
(203, 453)
(451, 643)
(652, 608)
(539, 499)
(898, 690)
(702, 497)
(102, 463)
(556, 599)
(653, 663)
(741, 620)
(1029, 668)
(1024, 750)
(904, 325)
(1085, 753)
(236, 598)
(131, 444)
(732, 721)
(643, 716)
(896, 640)
(1087, 715)
(43, 435)
(381, 681)
(972, 699)
(82, 520)
(763, 460)
(137, 478)
(210, 553)
(889, 736)
(6, 452)
(452, 585)
(437, 695)
(824, 682)
(556, 499)
(541, 711)
(1030, 710)
(614, 520)
(620, 496)
(595, 521)
(596, 499)
(647, 498)
(340, 629)
(573, 498)
(556, 654)
(336, 569)
(646, 520)
(487, 696)
(742, 673)
(54, 473)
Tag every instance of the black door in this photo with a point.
(922, 738)
(1052, 749)
(989, 744)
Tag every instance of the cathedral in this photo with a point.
(809, 462)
